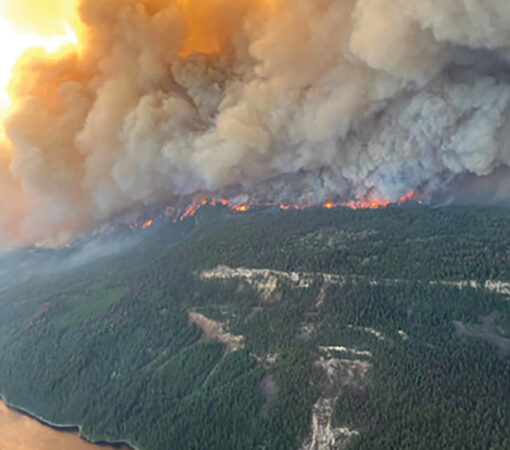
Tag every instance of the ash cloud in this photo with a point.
(302, 100)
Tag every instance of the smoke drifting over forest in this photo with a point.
(290, 100)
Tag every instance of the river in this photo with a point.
(21, 432)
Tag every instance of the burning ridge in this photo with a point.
(180, 213)
(307, 101)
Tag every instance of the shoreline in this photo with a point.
(65, 428)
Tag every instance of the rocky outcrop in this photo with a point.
(267, 281)
(215, 330)
(323, 434)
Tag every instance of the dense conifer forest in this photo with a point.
(392, 325)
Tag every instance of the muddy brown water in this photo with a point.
(21, 432)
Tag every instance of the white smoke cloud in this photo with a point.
(297, 99)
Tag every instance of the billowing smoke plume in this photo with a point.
(297, 100)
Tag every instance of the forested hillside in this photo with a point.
(316, 329)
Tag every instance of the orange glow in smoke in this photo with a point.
(211, 33)
(24, 24)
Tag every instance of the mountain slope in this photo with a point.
(271, 329)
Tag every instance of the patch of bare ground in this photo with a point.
(214, 330)
(337, 373)
(267, 281)
(377, 334)
(306, 331)
(498, 287)
(266, 361)
(403, 335)
(332, 349)
(323, 435)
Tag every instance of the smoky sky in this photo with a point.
(302, 100)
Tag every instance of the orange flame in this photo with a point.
(193, 208)
(197, 204)
(240, 208)
(148, 224)
(407, 197)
